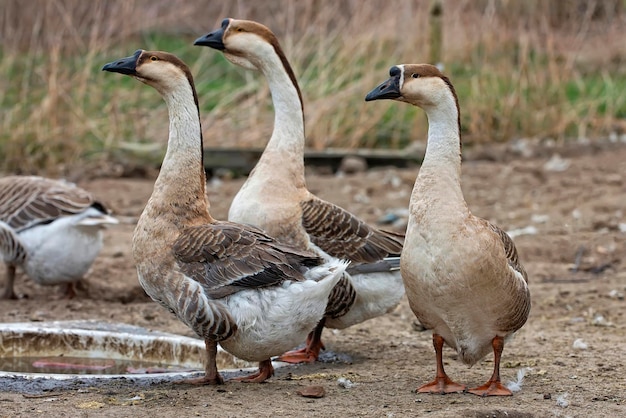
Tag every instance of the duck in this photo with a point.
(275, 197)
(462, 274)
(50, 228)
(232, 284)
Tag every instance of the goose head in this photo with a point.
(243, 42)
(158, 69)
(422, 85)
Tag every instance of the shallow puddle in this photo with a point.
(86, 366)
(61, 349)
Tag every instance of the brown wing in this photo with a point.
(11, 249)
(225, 258)
(343, 235)
(29, 200)
(341, 298)
(520, 309)
(510, 251)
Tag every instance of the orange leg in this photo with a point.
(211, 375)
(266, 370)
(442, 383)
(311, 351)
(494, 387)
(9, 293)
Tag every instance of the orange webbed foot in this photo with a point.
(266, 370)
(204, 380)
(309, 354)
(494, 387)
(303, 355)
(442, 386)
(491, 388)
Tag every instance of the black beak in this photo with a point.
(126, 65)
(213, 40)
(389, 89)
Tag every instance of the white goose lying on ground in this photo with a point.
(461, 273)
(50, 228)
(275, 197)
(229, 283)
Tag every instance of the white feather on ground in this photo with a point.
(562, 401)
(516, 385)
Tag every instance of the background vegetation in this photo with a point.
(538, 69)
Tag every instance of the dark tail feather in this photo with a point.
(386, 265)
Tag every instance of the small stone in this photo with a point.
(351, 164)
(388, 218)
(547, 396)
(312, 392)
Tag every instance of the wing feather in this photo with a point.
(226, 257)
(11, 249)
(341, 298)
(510, 251)
(342, 235)
(29, 200)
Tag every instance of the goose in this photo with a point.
(230, 283)
(276, 199)
(52, 229)
(462, 274)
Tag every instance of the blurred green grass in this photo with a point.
(60, 112)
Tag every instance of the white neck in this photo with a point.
(287, 142)
(439, 178)
(442, 160)
(181, 179)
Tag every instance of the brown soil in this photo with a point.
(577, 279)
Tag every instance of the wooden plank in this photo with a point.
(242, 161)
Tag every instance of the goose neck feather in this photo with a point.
(289, 132)
(176, 183)
(179, 195)
(285, 96)
(442, 161)
(288, 135)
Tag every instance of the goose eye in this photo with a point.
(240, 30)
(415, 75)
(154, 58)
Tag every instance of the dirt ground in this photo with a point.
(568, 216)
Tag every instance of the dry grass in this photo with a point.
(521, 68)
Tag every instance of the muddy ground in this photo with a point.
(569, 218)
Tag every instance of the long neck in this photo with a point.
(180, 186)
(442, 162)
(285, 149)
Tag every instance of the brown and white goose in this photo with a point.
(275, 196)
(50, 228)
(229, 283)
(461, 273)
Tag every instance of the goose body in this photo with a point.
(461, 273)
(52, 229)
(230, 283)
(276, 199)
